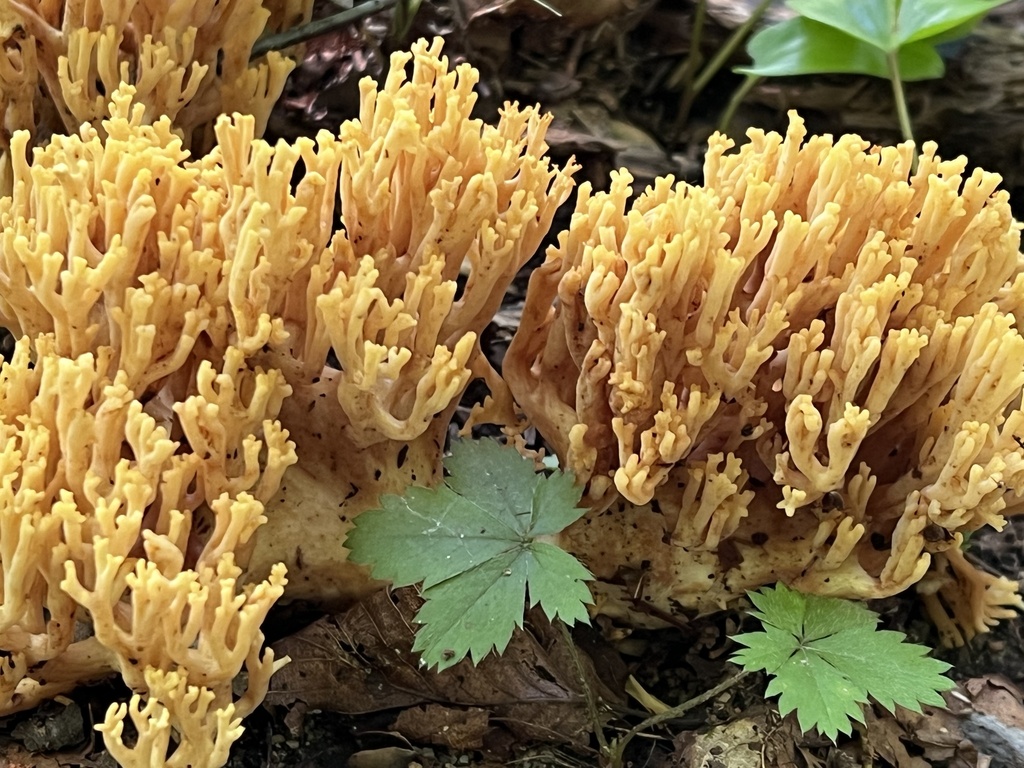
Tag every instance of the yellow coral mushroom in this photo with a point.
(808, 368)
(173, 416)
(188, 61)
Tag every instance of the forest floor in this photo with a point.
(354, 694)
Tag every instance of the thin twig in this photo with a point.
(588, 694)
(618, 749)
(317, 28)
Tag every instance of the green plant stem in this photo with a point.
(718, 61)
(618, 747)
(316, 28)
(735, 100)
(588, 694)
(726, 51)
(683, 74)
(902, 112)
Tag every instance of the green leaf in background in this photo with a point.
(840, 36)
(889, 24)
(928, 19)
(804, 47)
(826, 658)
(475, 544)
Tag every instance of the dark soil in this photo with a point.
(355, 695)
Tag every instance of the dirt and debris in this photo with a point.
(354, 693)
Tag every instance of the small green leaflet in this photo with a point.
(827, 657)
(475, 544)
(856, 37)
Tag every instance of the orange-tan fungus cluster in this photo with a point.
(807, 369)
(189, 61)
(170, 391)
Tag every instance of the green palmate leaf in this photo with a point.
(825, 616)
(427, 536)
(474, 612)
(557, 583)
(475, 544)
(821, 695)
(827, 658)
(768, 650)
(907, 677)
(495, 478)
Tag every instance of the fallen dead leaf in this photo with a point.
(997, 697)
(362, 661)
(883, 736)
(14, 755)
(458, 729)
(388, 757)
(756, 740)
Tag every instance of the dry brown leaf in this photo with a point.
(884, 737)
(997, 697)
(14, 755)
(362, 661)
(458, 729)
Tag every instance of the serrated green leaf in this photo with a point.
(780, 607)
(822, 696)
(494, 477)
(394, 539)
(894, 672)
(554, 504)
(474, 543)
(824, 616)
(827, 657)
(806, 47)
(558, 583)
(473, 613)
(767, 650)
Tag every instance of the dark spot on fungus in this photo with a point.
(832, 500)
